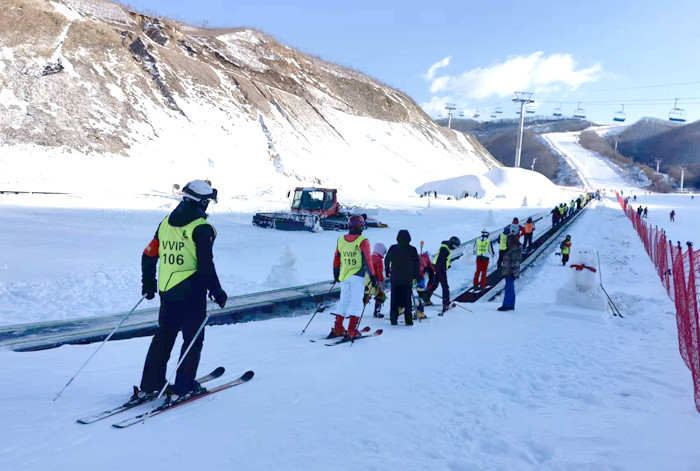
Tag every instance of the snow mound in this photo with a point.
(458, 187)
(517, 184)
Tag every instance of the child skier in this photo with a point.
(442, 263)
(565, 247)
(350, 263)
(378, 292)
(425, 284)
(527, 238)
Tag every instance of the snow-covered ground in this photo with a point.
(550, 385)
(547, 386)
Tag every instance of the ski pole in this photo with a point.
(182, 358)
(454, 303)
(98, 348)
(319, 309)
(352, 342)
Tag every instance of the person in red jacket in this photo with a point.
(351, 262)
(379, 291)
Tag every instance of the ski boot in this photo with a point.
(352, 333)
(377, 309)
(142, 396)
(338, 330)
(174, 398)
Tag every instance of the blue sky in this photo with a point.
(475, 54)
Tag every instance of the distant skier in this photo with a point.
(442, 263)
(502, 245)
(634, 198)
(183, 245)
(351, 261)
(645, 212)
(673, 215)
(527, 235)
(510, 269)
(403, 267)
(565, 247)
(555, 216)
(379, 292)
(483, 246)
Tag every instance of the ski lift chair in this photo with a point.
(499, 109)
(676, 114)
(620, 116)
(529, 109)
(557, 111)
(476, 114)
(580, 112)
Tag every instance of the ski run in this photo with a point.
(552, 385)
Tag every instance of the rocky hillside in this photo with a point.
(85, 81)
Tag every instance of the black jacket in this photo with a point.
(402, 263)
(205, 278)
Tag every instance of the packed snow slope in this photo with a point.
(113, 100)
(547, 386)
(593, 170)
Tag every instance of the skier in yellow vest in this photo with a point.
(482, 246)
(351, 261)
(183, 246)
(442, 263)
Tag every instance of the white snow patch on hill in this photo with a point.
(510, 183)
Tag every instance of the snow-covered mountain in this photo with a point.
(88, 85)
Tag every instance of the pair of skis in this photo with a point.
(218, 372)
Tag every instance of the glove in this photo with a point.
(336, 274)
(149, 289)
(421, 283)
(219, 297)
(373, 281)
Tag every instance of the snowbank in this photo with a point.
(503, 182)
(474, 185)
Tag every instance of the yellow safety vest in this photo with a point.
(565, 249)
(482, 246)
(503, 242)
(449, 253)
(350, 257)
(178, 253)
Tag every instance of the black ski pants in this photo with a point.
(441, 279)
(175, 316)
(401, 296)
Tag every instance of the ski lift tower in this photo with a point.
(523, 98)
(682, 176)
(450, 107)
(658, 161)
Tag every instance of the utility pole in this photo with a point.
(523, 98)
(658, 161)
(450, 107)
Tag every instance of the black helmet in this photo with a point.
(199, 192)
(455, 242)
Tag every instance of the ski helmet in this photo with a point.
(379, 248)
(484, 232)
(199, 192)
(356, 222)
(455, 242)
